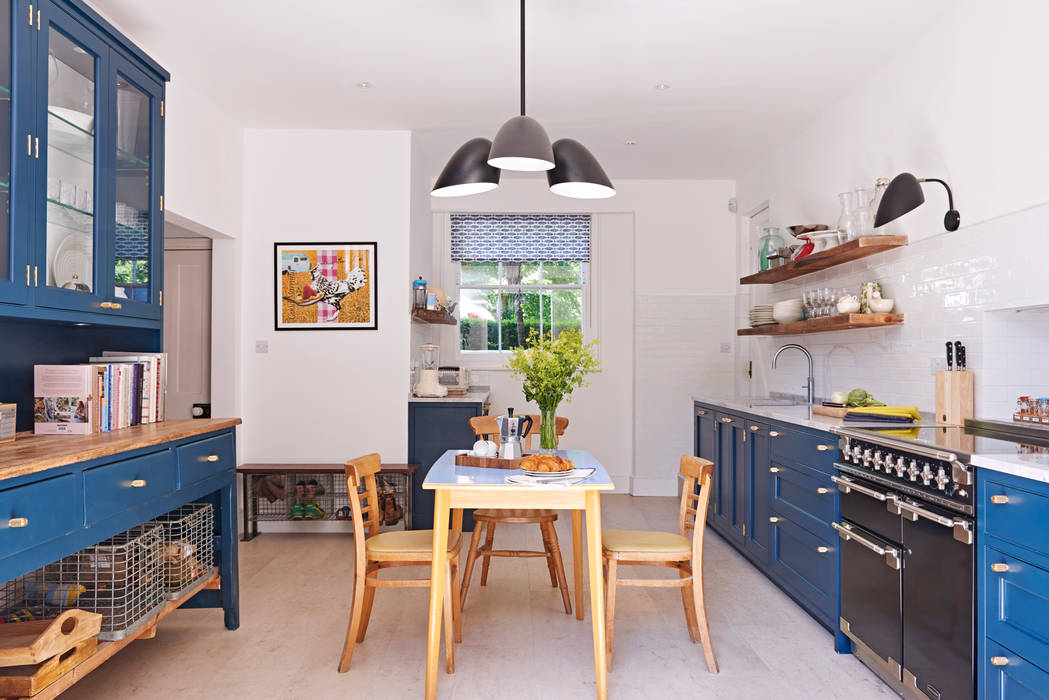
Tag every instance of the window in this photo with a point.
(518, 273)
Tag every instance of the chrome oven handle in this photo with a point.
(892, 556)
(962, 529)
(846, 485)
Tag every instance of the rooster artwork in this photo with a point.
(325, 286)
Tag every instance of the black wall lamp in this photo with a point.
(905, 193)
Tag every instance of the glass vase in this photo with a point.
(548, 429)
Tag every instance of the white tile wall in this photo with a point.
(678, 344)
(955, 286)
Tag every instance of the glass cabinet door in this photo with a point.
(69, 276)
(15, 276)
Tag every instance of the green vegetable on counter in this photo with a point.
(859, 397)
(839, 397)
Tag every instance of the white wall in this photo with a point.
(636, 416)
(325, 396)
(959, 103)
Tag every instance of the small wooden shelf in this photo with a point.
(842, 322)
(846, 252)
(429, 316)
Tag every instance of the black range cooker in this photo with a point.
(907, 558)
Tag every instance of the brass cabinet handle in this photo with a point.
(212, 458)
(755, 428)
(774, 433)
(773, 519)
(822, 550)
(999, 661)
(105, 305)
(18, 522)
(824, 448)
(138, 483)
(999, 568)
(822, 490)
(110, 305)
(726, 420)
(999, 499)
(774, 470)
(701, 413)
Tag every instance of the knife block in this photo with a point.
(954, 396)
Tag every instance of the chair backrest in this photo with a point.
(694, 505)
(487, 426)
(366, 515)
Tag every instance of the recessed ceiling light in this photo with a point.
(630, 142)
(364, 85)
(662, 86)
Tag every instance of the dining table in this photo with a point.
(457, 487)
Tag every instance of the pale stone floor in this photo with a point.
(517, 640)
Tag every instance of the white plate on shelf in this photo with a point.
(72, 262)
(67, 131)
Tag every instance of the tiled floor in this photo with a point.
(518, 642)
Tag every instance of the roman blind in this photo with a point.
(520, 237)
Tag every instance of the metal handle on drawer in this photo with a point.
(18, 522)
(892, 556)
(774, 519)
(999, 661)
(824, 448)
(138, 483)
(847, 485)
(774, 433)
(755, 428)
(999, 568)
(774, 470)
(701, 413)
(822, 550)
(822, 490)
(726, 420)
(962, 531)
(999, 499)
(211, 458)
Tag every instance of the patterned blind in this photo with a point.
(521, 237)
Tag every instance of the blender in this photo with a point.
(429, 382)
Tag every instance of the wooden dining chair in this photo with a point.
(374, 551)
(483, 426)
(677, 551)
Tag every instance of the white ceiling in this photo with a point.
(743, 74)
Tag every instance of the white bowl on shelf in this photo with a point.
(881, 306)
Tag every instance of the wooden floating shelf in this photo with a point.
(846, 252)
(842, 322)
(429, 316)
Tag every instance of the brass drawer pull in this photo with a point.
(822, 490)
(138, 483)
(824, 448)
(999, 500)
(18, 522)
(111, 305)
(999, 568)
(774, 470)
(755, 428)
(701, 413)
(726, 420)
(822, 550)
(999, 661)
(212, 458)
(774, 433)
(773, 519)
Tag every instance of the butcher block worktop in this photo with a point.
(36, 453)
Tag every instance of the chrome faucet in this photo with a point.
(811, 384)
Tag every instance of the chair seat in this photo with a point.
(404, 541)
(518, 515)
(645, 541)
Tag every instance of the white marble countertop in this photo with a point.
(475, 394)
(797, 415)
(1029, 466)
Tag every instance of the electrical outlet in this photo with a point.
(262, 346)
(938, 364)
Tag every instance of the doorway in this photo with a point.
(187, 324)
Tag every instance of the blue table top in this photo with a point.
(445, 472)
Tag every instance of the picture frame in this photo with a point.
(325, 286)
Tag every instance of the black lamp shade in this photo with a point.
(522, 144)
(467, 171)
(576, 172)
(902, 195)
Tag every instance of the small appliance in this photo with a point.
(429, 382)
(511, 429)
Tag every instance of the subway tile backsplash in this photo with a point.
(963, 286)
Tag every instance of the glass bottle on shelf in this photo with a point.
(771, 241)
(864, 215)
(847, 224)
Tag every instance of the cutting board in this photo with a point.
(465, 460)
(831, 411)
(24, 643)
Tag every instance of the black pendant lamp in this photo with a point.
(522, 144)
(905, 194)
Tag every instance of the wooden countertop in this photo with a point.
(35, 453)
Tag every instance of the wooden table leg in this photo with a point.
(577, 561)
(437, 580)
(597, 590)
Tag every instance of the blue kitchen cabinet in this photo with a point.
(1012, 586)
(758, 531)
(81, 177)
(707, 448)
(435, 427)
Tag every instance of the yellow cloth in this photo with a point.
(903, 411)
(401, 541)
(645, 541)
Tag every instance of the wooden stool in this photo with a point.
(486, 426)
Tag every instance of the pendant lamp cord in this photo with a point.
(522, 58)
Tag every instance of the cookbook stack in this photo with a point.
(761, 315)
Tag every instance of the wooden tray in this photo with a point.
(22, 681)
(832, 411)
(464, 460)
(26, 643)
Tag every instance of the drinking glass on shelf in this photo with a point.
(832, 301)
(807, 304)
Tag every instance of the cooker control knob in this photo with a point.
(926, 473)
(942, 479)
(878, 462)
(856, 452)
(913, 471)
(866, 458)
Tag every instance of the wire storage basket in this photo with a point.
(293, 495)
(120, 578)
(186, 551)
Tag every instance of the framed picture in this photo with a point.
(325, 286)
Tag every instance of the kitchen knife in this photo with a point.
(959, 352)
(950, 356)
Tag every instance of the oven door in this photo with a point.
(870, 505)
(871, 609)
(938, 602)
